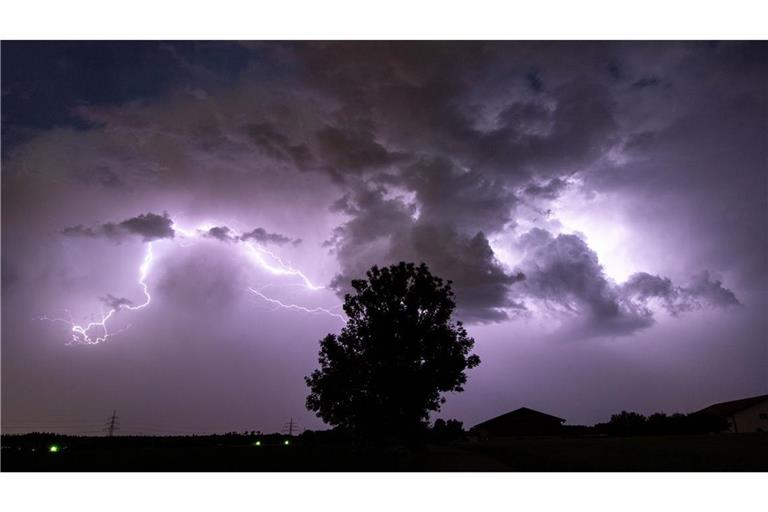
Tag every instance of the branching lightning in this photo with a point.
(80, 332)
(257, 255)
(95, 332)
(296, 307)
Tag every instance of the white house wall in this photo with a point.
(753, 419)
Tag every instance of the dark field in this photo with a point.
(723, 452)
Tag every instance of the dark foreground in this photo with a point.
(714, 452)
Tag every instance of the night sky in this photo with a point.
(601, 208)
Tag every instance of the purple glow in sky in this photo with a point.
(189, 216)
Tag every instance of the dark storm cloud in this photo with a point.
(534, 81)
(80, 230)
(352, 150)
(700, 138)
(262, 236)
(645, 286)
(456, 179)
(423, 98)
(526, 118)
(467, 160)
(432, 147)
(278, 146)
(711, 290)
(547, 190)
(614, 69)
(456, 204)
(482, 284)
(221, 233)
(259, 235)
(459, 197)
(578, 131)
(703, 289)
(387, 230)
(647, 82)
(565, 274)
(115, 302)
(149, 226)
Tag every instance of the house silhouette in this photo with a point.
(745, 415)
(522, 421)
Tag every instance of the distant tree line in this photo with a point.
(659, 423)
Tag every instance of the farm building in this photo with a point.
(745, 415)
(523, 421)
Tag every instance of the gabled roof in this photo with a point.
(732, 407)
(523, 414)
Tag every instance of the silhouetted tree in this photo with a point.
(447, 430)
(626, 424)
(399, 351)
(659, 423)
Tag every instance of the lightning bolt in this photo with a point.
(80, 332)
(296, 307)
(258, 254)
(281, 269)
(96, 332)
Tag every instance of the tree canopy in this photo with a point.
(398, 353)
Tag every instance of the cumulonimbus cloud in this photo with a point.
(388, 230)
(565, 275)
(433, 150)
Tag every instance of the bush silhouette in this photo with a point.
(400, 350)
(447, 430)
(659, 423)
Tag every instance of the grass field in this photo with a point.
(722, 452)
(718, 452)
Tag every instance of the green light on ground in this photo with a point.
(286, 442)
(53, 448)
(257, 443)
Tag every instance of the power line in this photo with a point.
(51, 428)
(112, 424)
(44, 431)
(290, 427)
